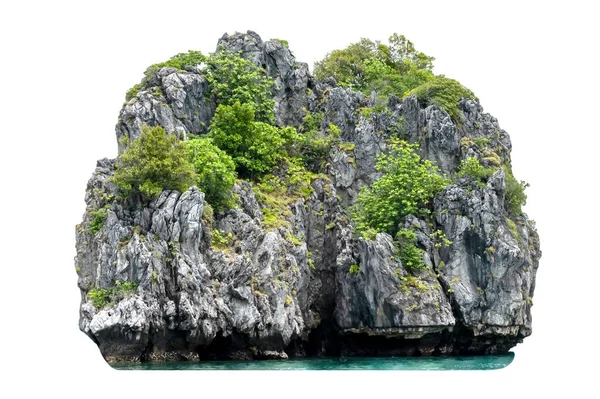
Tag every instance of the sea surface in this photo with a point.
(327, 363)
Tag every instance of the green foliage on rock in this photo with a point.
(133, 91)
(354, 269)
(230, 77)
(98, 217)
(315, 145)
(214, 170)
(179, 61)
(407, 186)
(276, 192)
(154, 162)
(371, 65)
(233, 79)
(102, 297)
(283, 42)
(395, 68)
(515, 196)
(410, 255)
(443, 92)
(256, 147)
(471, 167)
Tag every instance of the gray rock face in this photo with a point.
(311, 287)
(178, 101)
(291, 77)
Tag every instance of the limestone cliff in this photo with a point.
(264, 295)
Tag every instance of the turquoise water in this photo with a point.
(353, 363)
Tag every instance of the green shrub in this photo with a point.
(440, 239)
(315, 145)
(233, 79)
(410, 255)
(256, 147)
(471, 167)
(98, 217)
(354, 269)
(102, 297)
(482, 142)
(443, 92)
(515, 196)
(133, 91)
(221, 240)
(512, 228)
(215, 172)
(283, 42)
(154, 162)
(407, 186)
(368, 65)
(179, 61)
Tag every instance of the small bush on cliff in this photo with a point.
(154, 162)
(408, 185)
(179, 61)
(471, 167)
(102, 297)
(410, 255)
(515, 196)
(233, 79)
(256, 147)
(283, 42)
(444, 92)
(215, 172)
(98, 218)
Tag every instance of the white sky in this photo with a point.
(67, 65)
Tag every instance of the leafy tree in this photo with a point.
(347, 65)
(154, 162)
(369, 65)
(407, 186)
(233, 79)
(444, 92)
(215, 172)
(256, 147)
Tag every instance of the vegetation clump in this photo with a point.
(410, 255)
(515, 196)
(214, 172)
(102, 297)
(407, 186)
(98, 218)
(444, 92)
(154, 162)
(255, 147)
(471, 167)
(395, 68)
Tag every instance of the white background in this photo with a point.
(65, 68)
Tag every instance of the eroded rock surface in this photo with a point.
(290, 291)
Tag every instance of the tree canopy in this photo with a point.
(153, 162)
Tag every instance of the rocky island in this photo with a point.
(261, 211)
